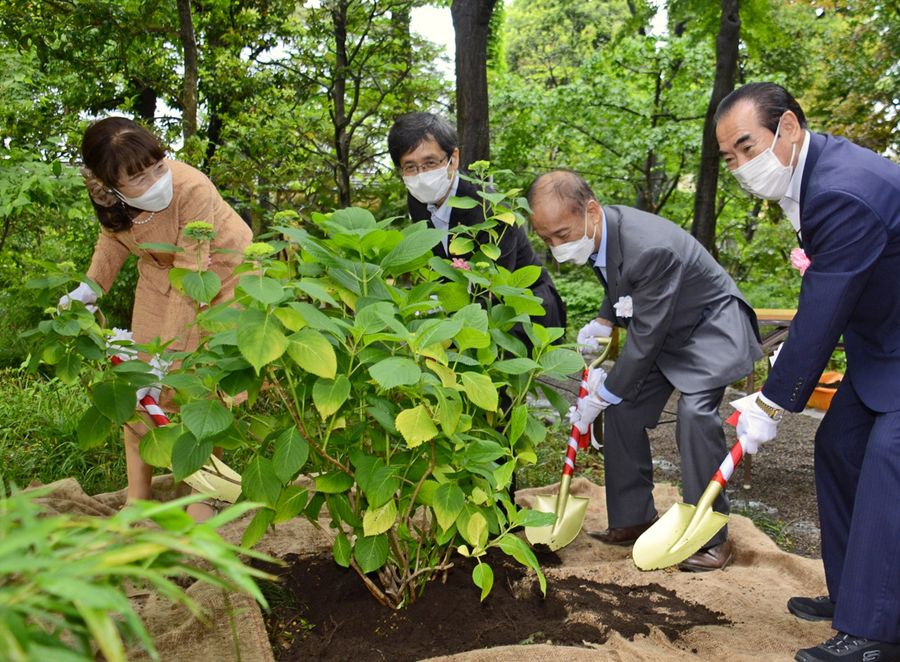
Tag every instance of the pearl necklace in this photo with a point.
(146, 220)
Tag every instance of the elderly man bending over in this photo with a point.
(689, 328)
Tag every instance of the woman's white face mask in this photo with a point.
(577, 251)
(155, 198)
(764, 175)
(431, 186)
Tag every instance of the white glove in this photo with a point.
(592, 404)
(590, 332)
(83, 293)
(754, 426)
(158, 368)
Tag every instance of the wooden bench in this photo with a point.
(773, 330)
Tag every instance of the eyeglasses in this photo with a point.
(411, 169)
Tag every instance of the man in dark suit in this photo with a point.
(689, 328)
(425, 148)
(844, 201)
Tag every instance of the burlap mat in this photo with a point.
(751, 593)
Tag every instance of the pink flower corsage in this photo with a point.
(459, 263)
(799, 260)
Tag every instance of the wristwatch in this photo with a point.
(772, 412)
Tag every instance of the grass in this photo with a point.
(774, 528)
(38, 440)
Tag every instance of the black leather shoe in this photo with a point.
(712, 558)
(847, 648)
(622, 536)
(812, 609)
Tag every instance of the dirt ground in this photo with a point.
(328, 614)
(331, 616)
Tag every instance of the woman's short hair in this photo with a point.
(115, 145)
(111, 147)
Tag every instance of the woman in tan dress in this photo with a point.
(142, 197)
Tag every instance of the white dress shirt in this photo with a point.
(600, 262)
(790, 203)
(440, 216)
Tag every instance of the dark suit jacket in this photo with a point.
(689, 318)
(515, 251)
(850, 227)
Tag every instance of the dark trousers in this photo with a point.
(627, 460)
(857, 465)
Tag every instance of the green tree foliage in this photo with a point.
(547, 40)
(855, 91)
(301, 96)
(626, 118)
(316, 137)
(589, 87)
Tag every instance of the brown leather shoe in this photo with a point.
(622, 536)
(713, 558)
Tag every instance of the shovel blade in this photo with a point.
(665, 544)
(208, 481)
(566, 527)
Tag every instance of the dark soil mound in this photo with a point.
(322, 611)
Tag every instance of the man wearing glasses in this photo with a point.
(425, 149)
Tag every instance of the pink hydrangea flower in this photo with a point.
(799, 260)
(459, 263)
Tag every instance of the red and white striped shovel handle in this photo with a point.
(734, 457)
(148, 402)
(576, 439)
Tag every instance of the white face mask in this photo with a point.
(764, 175)
(431, 186)
(577, 251)
(155, 198)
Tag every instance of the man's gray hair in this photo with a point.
(567, 186)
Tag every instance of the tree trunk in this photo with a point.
(338, 106)
(471, 23)
(145, 105)
(7, 221)
(191, 75)
(704, 225)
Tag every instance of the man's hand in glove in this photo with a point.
(758, 422)
(592, 404)
(588, 337)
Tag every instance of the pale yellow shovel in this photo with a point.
(684, 529)
(569, 510)
(217, 480)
